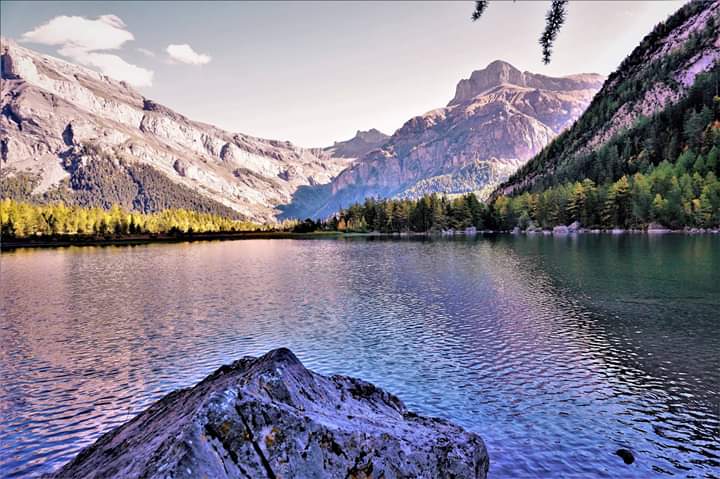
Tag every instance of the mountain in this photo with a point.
(498, 119)
(70, 133)
(358, 146)
(645, 111)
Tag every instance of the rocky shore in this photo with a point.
(132, 240)
(271, 417)
(577, 228)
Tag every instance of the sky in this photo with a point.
(316, 72)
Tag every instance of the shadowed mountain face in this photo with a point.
(499, 118)
(61, 122)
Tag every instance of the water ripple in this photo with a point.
(558, 351)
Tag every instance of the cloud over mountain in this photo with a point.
(185, 54)
(85, 40)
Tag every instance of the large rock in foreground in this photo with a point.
(271, 417)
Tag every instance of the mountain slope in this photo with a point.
(83, 137)
(611, 138)
(499, 118)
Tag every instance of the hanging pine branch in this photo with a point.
(480, 7)
(553, 22)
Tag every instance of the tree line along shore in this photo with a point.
(28, 224)
(25, 224)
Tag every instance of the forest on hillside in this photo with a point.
(650, 140)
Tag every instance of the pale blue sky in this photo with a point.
(316, 72)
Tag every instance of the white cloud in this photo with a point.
(146, 52)
(106, 32)
(84, 39)
(111, 65)
(185, 54)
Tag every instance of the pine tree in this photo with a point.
(711, 162)
(659, 206)
(554, 20)
(642, 200)
(616, 211)
(577, 203)
(674, 211)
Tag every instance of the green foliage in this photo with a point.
(480, 6)
(554, 20)
(663, 169)
(18, 185)
(427, 214)
(20, 219)
(665, 195)
(307, 226)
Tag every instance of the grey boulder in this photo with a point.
(271, 417)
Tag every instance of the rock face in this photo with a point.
(358, 146)
(499, 118)
(56, 115)
(271, 417)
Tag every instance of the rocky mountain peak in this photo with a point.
(658, 73)
(8, 70)
(500, 72)
(372, 135)
(499, 118)
(496, 73)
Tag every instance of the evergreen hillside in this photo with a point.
(663, 170)
(655, 107)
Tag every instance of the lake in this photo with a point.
(557, 350)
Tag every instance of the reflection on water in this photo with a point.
(558, 351)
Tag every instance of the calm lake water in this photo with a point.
(558, 351)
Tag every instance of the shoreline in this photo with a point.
(142, 239)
